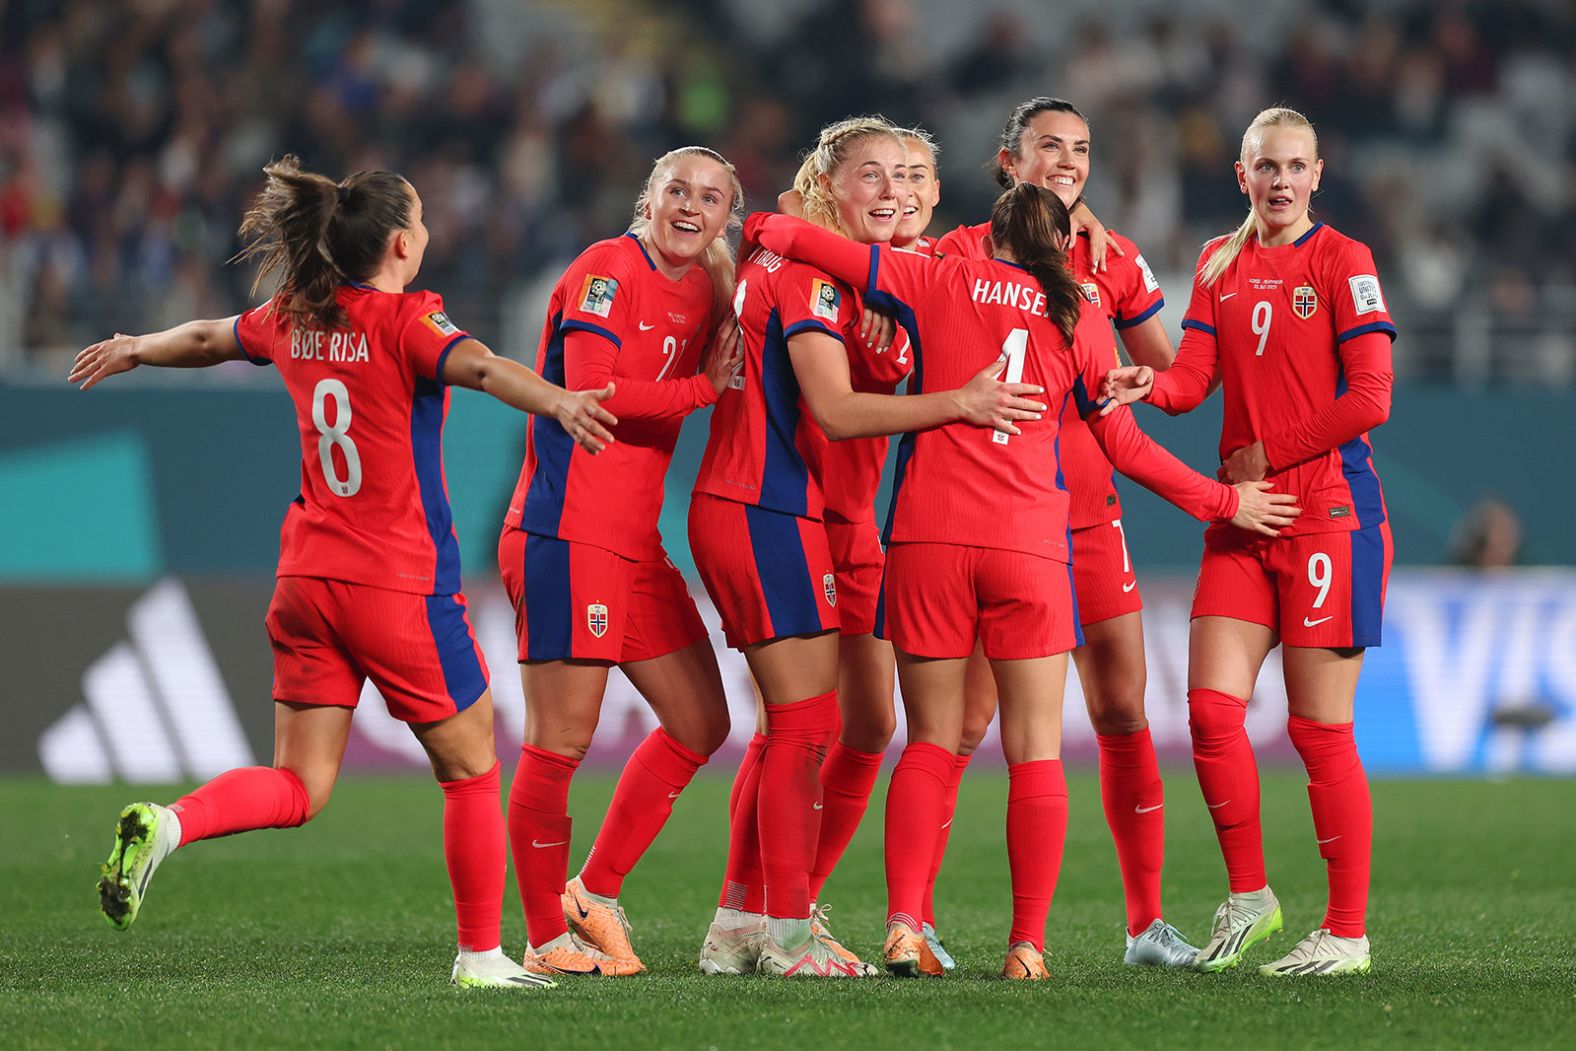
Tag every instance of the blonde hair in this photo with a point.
(925, 139)
(717, 259)
(830, 153)
(1275, 117)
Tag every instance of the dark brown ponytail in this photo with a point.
(1031, 222)
(318, 234)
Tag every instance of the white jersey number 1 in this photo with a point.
(1014, 349)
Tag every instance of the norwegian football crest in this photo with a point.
(596, 619)
(596, 295)
(825, 299)
(1304, 301)
(829, 585)
(1091, 292)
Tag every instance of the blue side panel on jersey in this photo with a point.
(879, 631)
(916, 385)
(451, 635)
(1072, 589)
(548, 603)
(544, 497)
(785, 477)
(429, 405)
(1061, 483)
(1367, 586)
(784, 572)
(1358, 468)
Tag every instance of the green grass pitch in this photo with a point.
(340, 934)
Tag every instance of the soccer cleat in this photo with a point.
(938, 948)
(812, 958)
(1159, 945)
(1241, 922)
(566, 954)
(820, 931)
(145, 836)
(732, 950)
(1322, 953)
(600, 926)
(495, 971)
(902, 950)
(1024, 964)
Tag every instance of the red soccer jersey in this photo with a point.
(1127, 293)
(968, 485)
(764, 447)
(851, 469)
(370, 406)
(1300, 336)
(615, 315)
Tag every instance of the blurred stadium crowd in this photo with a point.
(132, 134)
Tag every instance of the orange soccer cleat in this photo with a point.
(1024, 964)
(902, 951)
(601, 926)
(566, 954)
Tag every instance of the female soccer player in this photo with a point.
(1046, 142)
(757, 532)
(369, 570)
(583, 562)
(992, 568)
(1288, 315)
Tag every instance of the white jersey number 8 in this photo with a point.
(338, 434)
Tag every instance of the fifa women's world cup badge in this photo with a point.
(596, 296)
(1304, 301)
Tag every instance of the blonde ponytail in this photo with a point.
(830, 152)
(717, 259)
(1275, 117)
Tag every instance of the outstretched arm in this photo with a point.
(470, 364)
(196, 344)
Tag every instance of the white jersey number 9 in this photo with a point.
(338, 434)
(1319, 576)
(1262, 312)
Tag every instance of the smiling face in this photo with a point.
(924, 193)
(1053, 152)
(690, 201)
(870, 188)
(1279, 171)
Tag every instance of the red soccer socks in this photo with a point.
(789, 800)
(1036, 834)
(743, 885)
(539, 828)
(241, 800)
(949, 809)
(1343, 817)
(1134, 800)
(473, 846)
(656, 773)
(1229, 778)
(847, 778)
(915, 801)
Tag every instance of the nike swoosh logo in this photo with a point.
(1315, 623)
(559, 843)
(1217, 806)
(1129, 586)
(1148, 809)
(585, 913)
(673, 795)
(947, 825)
(1332, 839)
(645, 327)
(815, 806)
(1226, 295)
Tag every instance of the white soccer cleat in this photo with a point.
(1322, 953)
(735, 949)
(1241, 922)
(937, 948)
(1159, 945)
(146, 834)
(811, 958)
(494, 970)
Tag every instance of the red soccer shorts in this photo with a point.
(329, 637)
(940, 598)
(1318, 589)
(769, 574)
(583, 602)
(1103, 573)
(857, 561)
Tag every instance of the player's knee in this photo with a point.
(567, 745)
(1214, 716)
(708, 735)
(869, 731)
(973, 734)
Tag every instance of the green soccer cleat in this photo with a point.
(1322, 953)
(1241, 922)
(494, 970)
(145, 836)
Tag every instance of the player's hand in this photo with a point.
(1261, 511)
(791, 202)
(878, 330)
(985, 401)
(1126, 385)
(581, 415)
(1247, 464)
(103, 360)
(1100, 240)
(725, 354)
